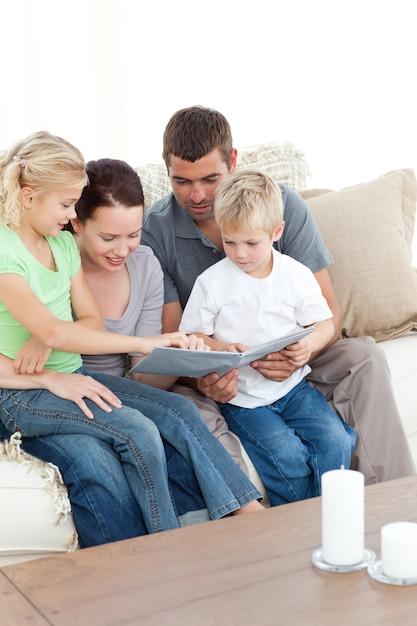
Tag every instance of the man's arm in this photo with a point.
(324, 280)
(171, 316)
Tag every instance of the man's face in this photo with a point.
(194, 184)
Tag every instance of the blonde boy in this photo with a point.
(254, 295)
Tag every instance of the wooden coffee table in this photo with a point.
(254, 569)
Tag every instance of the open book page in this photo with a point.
(196, 363)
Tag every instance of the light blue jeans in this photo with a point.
(292, 442)
(128, 447)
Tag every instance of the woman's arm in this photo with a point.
(74, 387)
(153, 380)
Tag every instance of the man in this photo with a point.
(352, 373)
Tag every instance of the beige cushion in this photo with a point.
(281, 160)
(369, 229)
(35, 512)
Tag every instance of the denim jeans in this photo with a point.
(223, 485)
(104, 505)
(102, 502)
(292, 442)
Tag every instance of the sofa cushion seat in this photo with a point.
(401, 355)
(35, 517)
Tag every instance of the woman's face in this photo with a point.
(109, 237)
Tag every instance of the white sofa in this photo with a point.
(369, 229)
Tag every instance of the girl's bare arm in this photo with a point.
(83, 337)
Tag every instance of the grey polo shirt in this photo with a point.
(184, 252)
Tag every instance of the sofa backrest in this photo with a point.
(281, 160)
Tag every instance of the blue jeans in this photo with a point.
(104, 496)
(102, 502)
(292, 442)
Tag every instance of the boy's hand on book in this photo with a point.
(276, 367)
(298, 353)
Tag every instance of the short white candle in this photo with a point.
(399, 550)
(343, 517)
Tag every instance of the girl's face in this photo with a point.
(47, 214)
(109, 237)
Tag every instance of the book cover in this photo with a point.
(196, 363)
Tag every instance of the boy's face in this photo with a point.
(194, 184)
(250, 250)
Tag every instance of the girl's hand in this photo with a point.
(236, 347)
(174, 340)
(197, 343)
(76, 387)
(31, 357)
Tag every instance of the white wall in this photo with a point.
(337, 77)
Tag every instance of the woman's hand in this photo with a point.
(76, 387)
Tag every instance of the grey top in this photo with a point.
(184, 252)
(143, 314)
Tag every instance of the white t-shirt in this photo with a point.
(230, 305)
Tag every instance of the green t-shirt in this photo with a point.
(52, 288)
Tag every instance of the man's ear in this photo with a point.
(25, 196)
(278, 231)
(233, 161)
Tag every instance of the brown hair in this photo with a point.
(111, 182)
(193, 132)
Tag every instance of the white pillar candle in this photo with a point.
(343, 517)
(399, 550)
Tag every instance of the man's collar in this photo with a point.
(184, 226)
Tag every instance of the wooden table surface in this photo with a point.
(252, 569)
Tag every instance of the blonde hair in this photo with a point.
(248, 198)
(42, 162)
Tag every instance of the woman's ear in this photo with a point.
(76, 224)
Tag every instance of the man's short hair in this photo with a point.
(194, 132)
